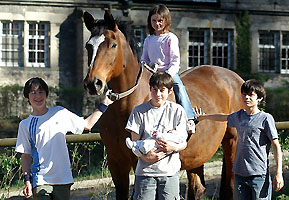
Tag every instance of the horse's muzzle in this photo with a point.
(94, 87)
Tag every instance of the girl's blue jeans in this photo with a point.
(253, 187)
(182, 97)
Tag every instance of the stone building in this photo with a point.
(46, 38)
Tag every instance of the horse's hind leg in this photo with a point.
(196, 189)
(229, 148)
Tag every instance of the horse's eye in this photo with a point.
(113, 45)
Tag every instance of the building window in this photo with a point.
(268, 51)
(139, 34)
(213, 47)
(11, 44)
(13, 49)
(192, 2)
(274, 51)
(221, 47)
(285, 53)
(198, 47)
(38, 45)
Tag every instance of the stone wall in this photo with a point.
(68, 58)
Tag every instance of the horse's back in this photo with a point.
(212, 84)
(215, 90)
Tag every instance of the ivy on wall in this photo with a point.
(11, 101)
(243, 43)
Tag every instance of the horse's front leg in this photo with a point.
(119, 165)
(229, 149)
(196, 189)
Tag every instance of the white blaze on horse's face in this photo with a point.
(95, 41)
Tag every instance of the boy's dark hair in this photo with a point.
(35, 82)
(164, 12)
(256, 86)
(161, 79)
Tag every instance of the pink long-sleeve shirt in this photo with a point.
(163, 50)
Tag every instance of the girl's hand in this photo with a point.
(27, 191)
(155, 67)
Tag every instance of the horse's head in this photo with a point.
(104, 49)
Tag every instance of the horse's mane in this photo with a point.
(126, 28)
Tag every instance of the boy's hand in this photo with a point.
(199, 113)
(164, 146)
(154, 155)
(27, 191)
(278, 182)
(107, 101)
(154, 134)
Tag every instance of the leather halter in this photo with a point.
(117, 96)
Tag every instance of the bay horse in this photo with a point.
(217, 90)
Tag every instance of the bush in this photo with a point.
(10, 172)
(277, 103)
(88, 160)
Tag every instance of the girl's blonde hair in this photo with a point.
(164, 12)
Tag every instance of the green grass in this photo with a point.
(94, 174)
(210, 198)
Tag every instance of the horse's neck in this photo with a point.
(127, 78)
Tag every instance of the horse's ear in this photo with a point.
(108, 18)
(88, 20)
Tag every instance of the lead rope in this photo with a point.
(117, 96)
(152, 69)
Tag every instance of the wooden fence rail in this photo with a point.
(90, 137)
(8, 142)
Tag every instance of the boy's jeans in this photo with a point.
(164, 188)
(253, 187)
(182, 97)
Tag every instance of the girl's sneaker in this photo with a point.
(191, 127)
